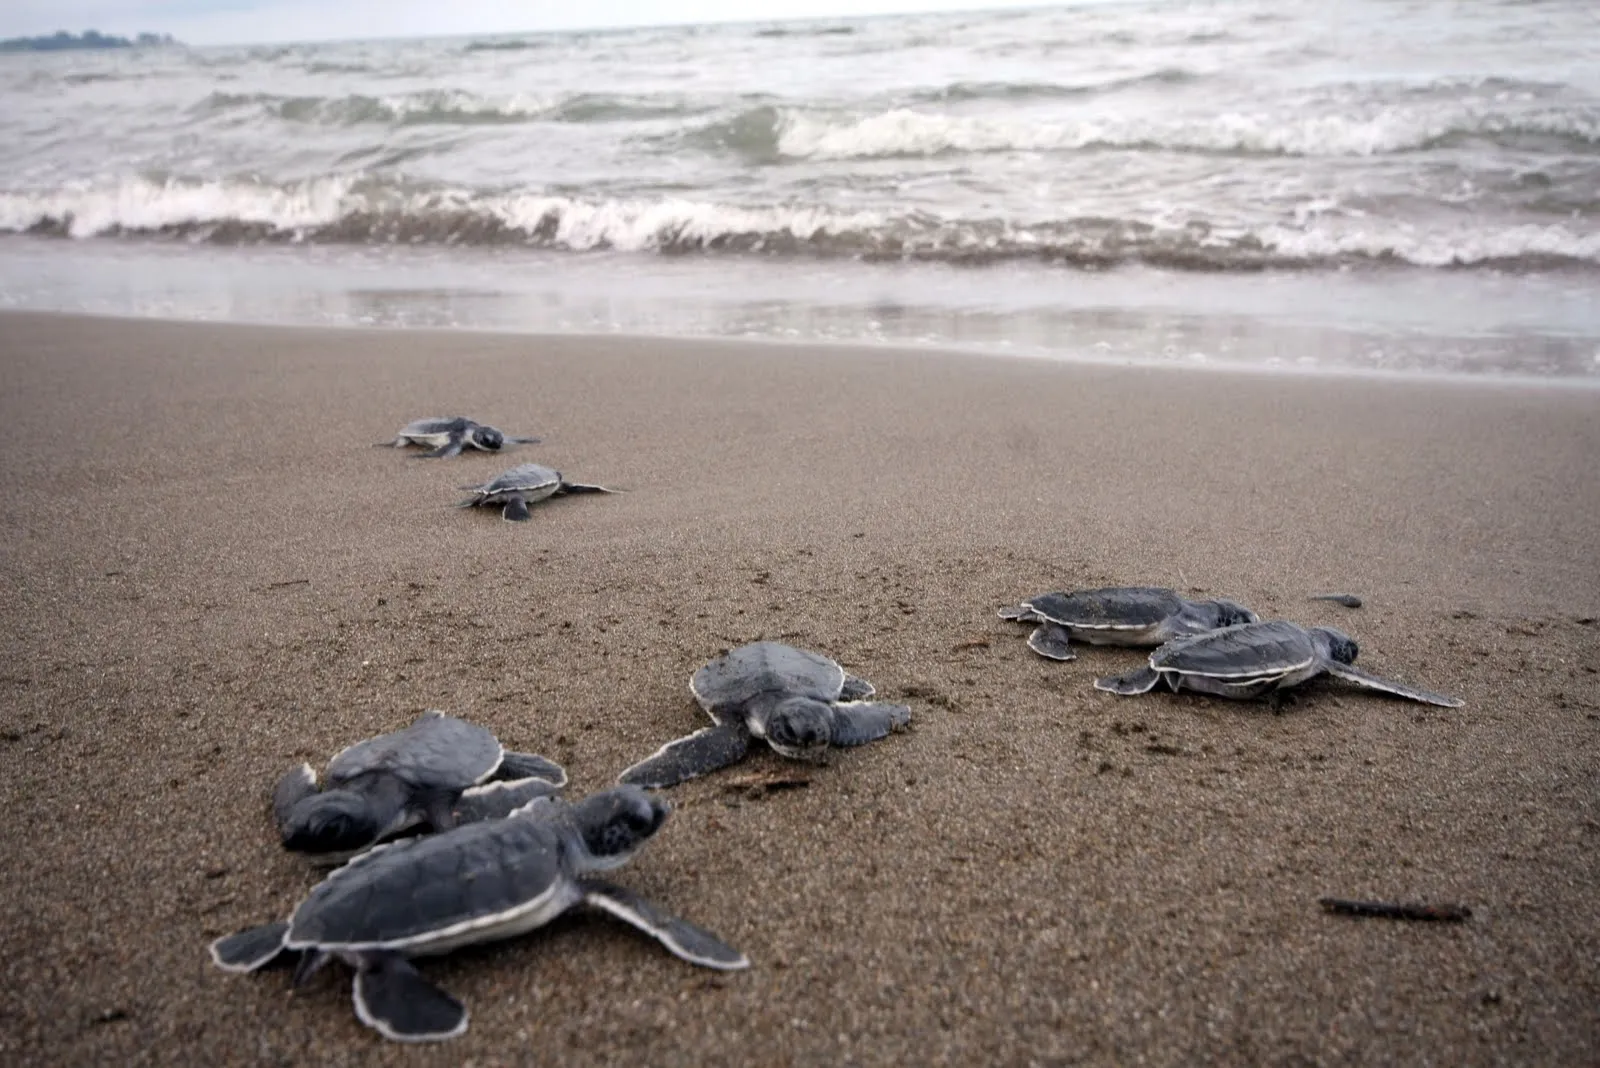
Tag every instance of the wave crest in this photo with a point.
(355, 210)
(770, 133)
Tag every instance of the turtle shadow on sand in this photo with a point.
(481, 882)
(801, 703)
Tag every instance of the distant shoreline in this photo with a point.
(62, 41)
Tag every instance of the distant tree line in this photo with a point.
(62, 41)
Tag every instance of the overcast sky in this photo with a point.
(230, 21)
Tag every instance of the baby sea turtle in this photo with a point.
(448, 435)
(435, 771)
(1119, 615)
(481, 882)
(800, 702)
(521, 486)
(1252, 659)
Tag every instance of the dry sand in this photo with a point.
(209, 576)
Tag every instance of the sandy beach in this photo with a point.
(210, 577)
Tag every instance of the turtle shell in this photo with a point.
(765, 667)
(1110, 608)
(1247, 650)
(478, 882)
(523, 478)
(436, 752)
(435, 426)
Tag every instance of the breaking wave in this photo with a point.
(445, 108)
(772, 134)
(365, 211)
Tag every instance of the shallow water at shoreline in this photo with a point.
(1483, 324)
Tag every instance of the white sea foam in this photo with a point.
(89, 209)
(652, 225)
(361, 210)
(907, 132)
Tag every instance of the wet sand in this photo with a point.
(210, 577)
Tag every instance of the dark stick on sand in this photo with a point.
(1389, 910)
(1349, 600)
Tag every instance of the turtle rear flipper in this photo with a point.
(514, 765)
(700, 753)
(682, 938)
(1350, 673)
(516, 508)
(1134, 682)
(497, 800)
(252, 949)
(293, 788)
(855, 689)
(1052, 641)
(860, 722)
(393, 998)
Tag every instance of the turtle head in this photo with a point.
(335, 821)
(1230, 613)
(1340, 647)
(800, 728)
(487, 438)
(614, 823)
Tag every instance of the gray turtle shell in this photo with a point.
(434, 893)
(1110, 608)
(762, 668)
(1246, 650)
(437, 752)
(436, 425)
(524, 478)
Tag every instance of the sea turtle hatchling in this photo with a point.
(1119, 615)
(799, 701)
(521, 486)
(480, 882)
(448, 435)
(1253, 659)
(436, 771)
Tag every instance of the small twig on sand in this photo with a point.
(1349, 600)
(1390, 910)
(287, 582)
(764, 782)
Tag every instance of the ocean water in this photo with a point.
(1378, 184)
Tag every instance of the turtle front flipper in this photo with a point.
(1134, 682)
(580, 487)
(1052, 641)
(510, 440)
(516, 508)
(497, 800)
(855, 689)
(293, 788)
(682, 938)
(393, 999)
(700, 753)
(1350, 673)
(450, 448)
(860, 722)
(250, 950)
(515, 765)
(1018, 613)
